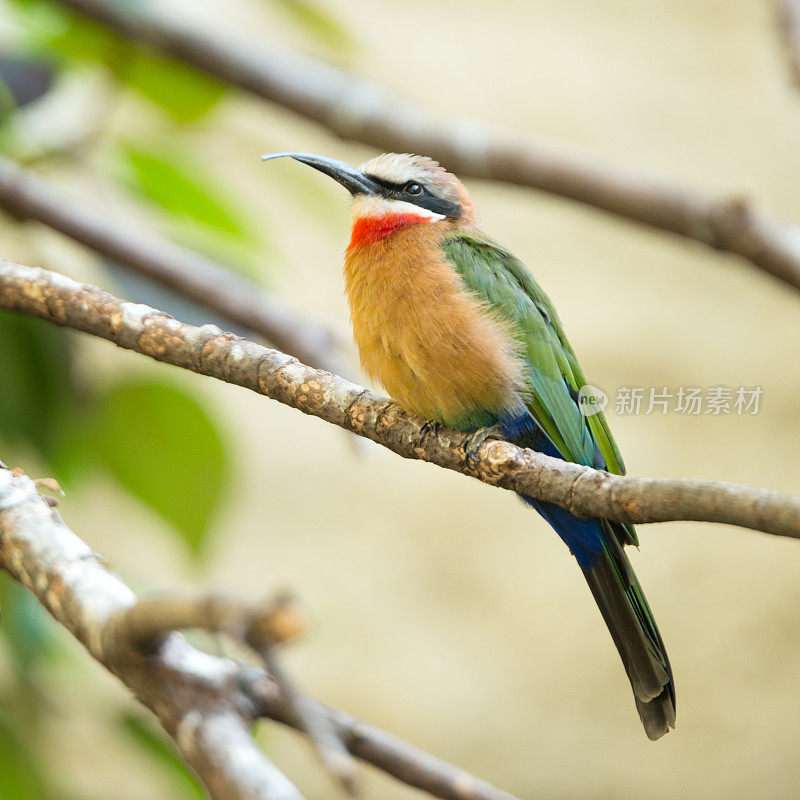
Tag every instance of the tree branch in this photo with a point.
(313, 721)
(260, 628)
(205, 703)
(190, 692)
(207, 350)
(24, 194)
(357, 109)
(251, 625)
(789, 11)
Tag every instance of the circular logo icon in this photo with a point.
(591, 400)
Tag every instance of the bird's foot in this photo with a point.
(429, 428)
(473, 444)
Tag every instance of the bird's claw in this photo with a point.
(429, 428)
(476, 440)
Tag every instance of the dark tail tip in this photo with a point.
(630, 621)
(658, 715)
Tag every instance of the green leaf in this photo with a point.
(160, 444)
(184, 92)
(20, 774)
(252, 259)
(25, 624)
(152, 740)
(181, 187)
(60, 33)
(8, 103)
(35, 386)
(316, 21)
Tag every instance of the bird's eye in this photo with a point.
(412, 188)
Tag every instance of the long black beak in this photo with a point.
(354, 180)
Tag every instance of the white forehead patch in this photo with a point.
(397, 171)
(403, 167)
(372, 206)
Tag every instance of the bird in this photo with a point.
(458, 331)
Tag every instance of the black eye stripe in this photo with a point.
(390, 185)
(424, 199)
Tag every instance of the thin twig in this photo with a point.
(313, 721)
(258, 627)
(28, 196)
(189, 692)
(381, 749)
(152, 616)
(207, 350)
(361, 110)
(205, 703)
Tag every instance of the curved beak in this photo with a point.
(354, 180)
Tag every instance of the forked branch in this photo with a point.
(205, 703)
(261, 628)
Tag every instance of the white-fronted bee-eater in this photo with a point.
(458, 331)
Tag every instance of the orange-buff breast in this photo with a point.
(434, 347)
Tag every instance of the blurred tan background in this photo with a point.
(443, 610)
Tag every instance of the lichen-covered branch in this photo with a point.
(205, 703)
(361, 110)
(209, 351)
(188, 691)
(28, 196)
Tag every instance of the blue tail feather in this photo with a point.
(583, 537)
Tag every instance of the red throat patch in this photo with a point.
(368, 230)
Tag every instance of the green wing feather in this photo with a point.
(508, 288)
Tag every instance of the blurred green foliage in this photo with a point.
(154, 438)
(36, 389)
(315, 20)
(20, 773)
(160, 444)
(179, 89)
(28, 631)
(26, 626)
(145, 733)
(179, 186)
(68, 40)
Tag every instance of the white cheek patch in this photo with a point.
(371, 206)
